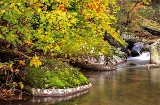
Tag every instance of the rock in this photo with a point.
(113, 42)
(60, 92)
(94, 66)
(130, 37)
(117, 60)
(100, 64)
(155, 52)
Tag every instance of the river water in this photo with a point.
(128, 85)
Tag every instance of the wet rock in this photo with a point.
(117, 60)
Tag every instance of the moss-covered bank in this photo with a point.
(54, 74)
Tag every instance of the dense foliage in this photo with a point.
(69, 28)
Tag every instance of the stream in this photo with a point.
(128, 85)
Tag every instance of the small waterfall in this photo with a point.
(136, 50)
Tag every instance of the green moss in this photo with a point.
(55, 74)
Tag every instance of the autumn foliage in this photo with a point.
(54, 26)
(30, 29)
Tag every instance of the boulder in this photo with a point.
(100, 64)
(93, 63)
(155, 52)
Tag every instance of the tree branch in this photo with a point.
(15, 52)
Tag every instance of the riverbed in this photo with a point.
(128, 85)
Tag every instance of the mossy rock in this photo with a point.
(54, 74)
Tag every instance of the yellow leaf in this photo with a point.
(10, 65)
(15, 83)
(35, 61)
(21, 85)
(39, 10)
(35, 1)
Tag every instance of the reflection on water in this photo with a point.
(42, 100)
(125, 86)
(57, 99)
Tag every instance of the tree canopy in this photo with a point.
(67, 27)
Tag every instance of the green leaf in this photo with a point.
(57, 48)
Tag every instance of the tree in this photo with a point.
(69, 28)
(129, 16)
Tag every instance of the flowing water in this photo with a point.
(128, 85)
